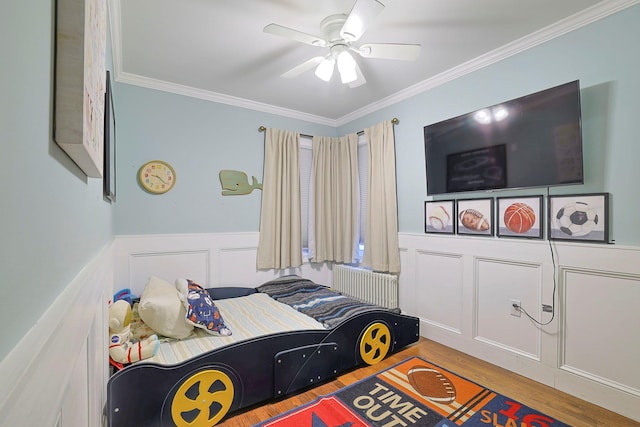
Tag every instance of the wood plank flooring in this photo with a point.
(562, 406)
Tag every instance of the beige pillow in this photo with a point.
(161, 309)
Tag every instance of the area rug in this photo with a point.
(413, 393)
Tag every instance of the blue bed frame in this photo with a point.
(207, 388)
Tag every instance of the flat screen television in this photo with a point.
(531, 141)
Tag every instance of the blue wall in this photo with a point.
(53, 218)
(604, 56)
(199, 138)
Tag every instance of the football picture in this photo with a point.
(475, 216)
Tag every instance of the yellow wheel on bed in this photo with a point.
(203, 399)
(375, 343)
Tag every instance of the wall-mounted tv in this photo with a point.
(531, 141)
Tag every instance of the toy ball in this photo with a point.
(432, 384)
(519, 218)
(474, 220)
(439, 218)
(577, 219)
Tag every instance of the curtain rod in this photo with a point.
(394, 121)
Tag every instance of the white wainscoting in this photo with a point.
(461, 288)
(213, 260)
(57, 374)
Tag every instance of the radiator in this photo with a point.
(366, 285)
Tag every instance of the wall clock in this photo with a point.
(157, 177)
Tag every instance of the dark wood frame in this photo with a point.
(487, 210)
(450, 204)
(597, 201)
(536, 203)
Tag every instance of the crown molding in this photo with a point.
(574, 22)
(192, 92)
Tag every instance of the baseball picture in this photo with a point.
(439, 217)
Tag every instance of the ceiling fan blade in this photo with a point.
(305, 66)
(362, 14)
(360, 80)
(404, 52)
(292, 34)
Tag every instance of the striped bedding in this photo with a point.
(326, 306)
(247, 317)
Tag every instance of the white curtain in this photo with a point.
(335, 199)
(280, 242)
(381, 246)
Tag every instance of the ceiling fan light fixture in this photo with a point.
(361, 15)
(347, 67)
(325, 69)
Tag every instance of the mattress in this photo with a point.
(247, 317)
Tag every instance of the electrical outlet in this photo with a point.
(515, 307)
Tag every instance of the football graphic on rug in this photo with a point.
(519, 217)
(474, 220)
(432, 384)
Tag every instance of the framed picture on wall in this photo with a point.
(519, 217)
(475, 216)
(579, 217)
(439, 217)
(109, 173)
(80, 65)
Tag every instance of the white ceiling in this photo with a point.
(216, 49)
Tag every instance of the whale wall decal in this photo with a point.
(236, 183)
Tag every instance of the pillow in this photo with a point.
(288, 285)
(161, 309)
(201, 312)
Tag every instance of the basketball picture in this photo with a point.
(520, 217)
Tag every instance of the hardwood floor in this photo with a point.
(562, 406)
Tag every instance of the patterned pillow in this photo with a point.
(201, 311)
(288, 285)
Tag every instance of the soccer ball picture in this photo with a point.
(577, 219)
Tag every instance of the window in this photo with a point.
(306, 162)
(363, 175)
(305, 183)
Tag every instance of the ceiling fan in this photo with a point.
(339, 32)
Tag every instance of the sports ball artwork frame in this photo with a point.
(579, 217)
(520, 217)
(440, 217)
(475, 217)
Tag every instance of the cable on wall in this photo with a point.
(555, 283)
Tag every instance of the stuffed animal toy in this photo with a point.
(121, 348)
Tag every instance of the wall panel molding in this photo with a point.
(58, 371)
(587, 347)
